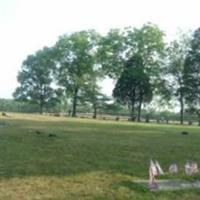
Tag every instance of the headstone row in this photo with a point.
(155, 169)
(191, 168)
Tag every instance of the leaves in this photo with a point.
(35, 79)
(76, 62)
(192, 73)
(133, 86)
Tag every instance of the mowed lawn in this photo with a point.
(89, 159)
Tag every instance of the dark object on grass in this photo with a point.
(184, 133)
(52, 135)
(117, 118)
(38, 132)
(69, 113)
(189, 122)
(147, 119)
(132, 119)
(4, 114)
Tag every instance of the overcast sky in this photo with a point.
(28, 25)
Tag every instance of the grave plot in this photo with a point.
(175, 184)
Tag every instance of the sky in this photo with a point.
(28, 25)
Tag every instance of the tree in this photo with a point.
(147, 43)
(95, 97)
(174, 72)
(192, 75)
(145, 47)
(75, 59)
(133, 87)
(35, 79)
(111, 53)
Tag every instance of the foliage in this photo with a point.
(35, 80)
(192, 75)
(118, 46)
(75, 62)
(174, 72)
(67, 75)
(11, 105)
(111, 53)
(144, 48)
(133, 86)
(146, 42)
(94, 96)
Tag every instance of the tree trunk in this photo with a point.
(139, 108)
(182, 108)
(198, 115)
(41, 107)
(75, 102)
(133, 111)
(147, 118)
(95, 111)
(41, 103)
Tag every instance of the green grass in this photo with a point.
(89, 159)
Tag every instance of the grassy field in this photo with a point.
(89, 159)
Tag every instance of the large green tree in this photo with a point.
(174, 71)
(145, 45)
(192, 75)
(133, 87)
(75, 56)
(35, 79)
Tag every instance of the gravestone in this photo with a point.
(173, 168)
(191, 168)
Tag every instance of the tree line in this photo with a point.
(142, 64)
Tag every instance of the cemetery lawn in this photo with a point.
(90, 159)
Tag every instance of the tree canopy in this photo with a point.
(75, 62)
(133, 87)
(138, 60)
(192, 75)
(35, 79)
